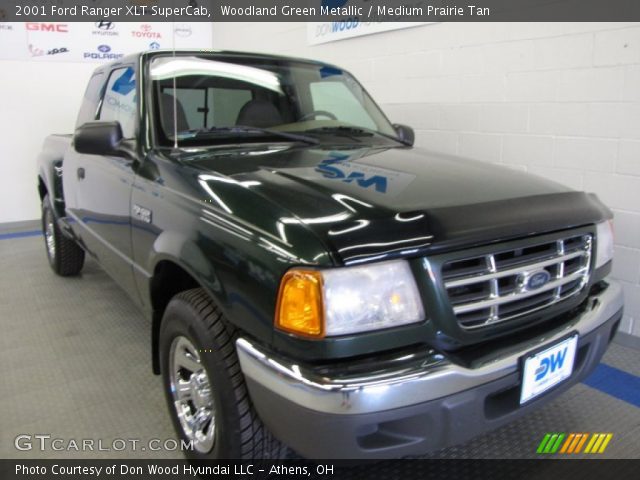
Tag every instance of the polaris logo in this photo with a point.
(550, 364)
(104, 53)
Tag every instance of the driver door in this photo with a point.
(104, 184)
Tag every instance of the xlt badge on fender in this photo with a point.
(141, 213)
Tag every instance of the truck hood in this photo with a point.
(366, 202)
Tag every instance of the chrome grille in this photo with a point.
(487, 289)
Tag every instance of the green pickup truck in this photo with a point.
(311, 279)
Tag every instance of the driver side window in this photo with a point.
(119, 102)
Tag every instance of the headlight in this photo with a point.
(348, 300)
(604, 243)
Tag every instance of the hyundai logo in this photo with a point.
(533, 280)
(104, 48)
(105, 25)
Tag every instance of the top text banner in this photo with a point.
(366, 11)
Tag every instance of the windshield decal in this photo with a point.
(125, 83)
(328, 71)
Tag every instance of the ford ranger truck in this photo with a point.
(311, 279)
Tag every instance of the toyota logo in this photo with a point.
(104, 48)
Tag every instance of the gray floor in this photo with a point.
(74, 356)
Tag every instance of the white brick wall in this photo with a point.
(560, 100)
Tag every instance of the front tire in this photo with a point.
(205, 390)
(66, 257)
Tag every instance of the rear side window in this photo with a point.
(119, 103)
(206, 107)
(89, 107)
(225, 104)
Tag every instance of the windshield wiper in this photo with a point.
(243, 131)
(353, 132)
(343, 129)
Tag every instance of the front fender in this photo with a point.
(226, 282)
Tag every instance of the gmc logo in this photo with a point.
(48, 27)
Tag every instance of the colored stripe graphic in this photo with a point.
(581, 443)
(543, 443)
(573, 443)
(568, 442)
(551, 443)
(592, 443)
(598, 443)
(556, 446)
(606, 441)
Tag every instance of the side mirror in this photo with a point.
(98, 138)
(405, 133)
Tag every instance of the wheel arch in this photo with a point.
(50, 183)
(42, 187)
(172, 275)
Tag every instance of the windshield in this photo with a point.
(224, 98)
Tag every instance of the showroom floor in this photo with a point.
(76, 365)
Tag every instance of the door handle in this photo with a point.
(81, 173)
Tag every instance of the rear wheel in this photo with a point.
(65, 256)
(206, 393)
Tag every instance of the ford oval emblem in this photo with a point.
(537, 279)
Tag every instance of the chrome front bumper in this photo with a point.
(405, 381)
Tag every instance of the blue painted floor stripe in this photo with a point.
(31, 233)
(617, 383)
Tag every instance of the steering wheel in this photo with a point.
(316, 113)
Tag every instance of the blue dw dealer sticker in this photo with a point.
(548, 368)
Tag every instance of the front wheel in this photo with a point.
(66, 257)
(206, 393)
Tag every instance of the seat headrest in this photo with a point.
(259, 113)
(166, 114)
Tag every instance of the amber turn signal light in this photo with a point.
(299, 309)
